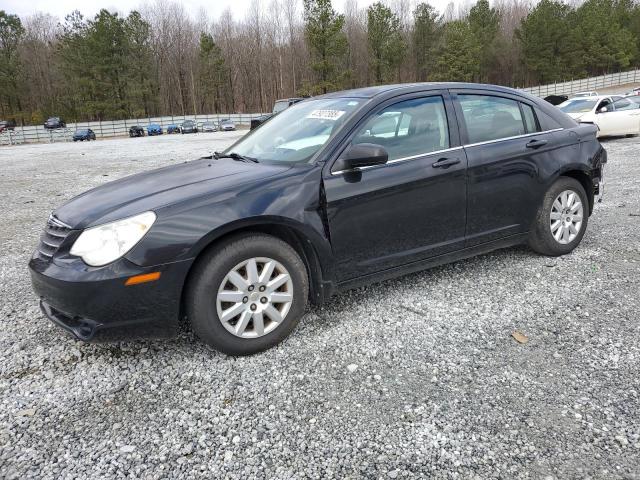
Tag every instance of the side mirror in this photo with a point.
(361, 155)
(603, 110)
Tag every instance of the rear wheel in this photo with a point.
(562, 218)
(247, 295)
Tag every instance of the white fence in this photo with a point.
(37, 133)
(585, 84)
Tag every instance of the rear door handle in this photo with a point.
(536, 143)
(446, 162)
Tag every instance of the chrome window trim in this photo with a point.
(452, 149)
(486, 142)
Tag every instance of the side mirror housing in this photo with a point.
(603, 110)
(361, 155)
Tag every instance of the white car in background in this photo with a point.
(585, 94)
(613, 114)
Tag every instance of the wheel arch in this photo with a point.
(585, 180)
(319, 288)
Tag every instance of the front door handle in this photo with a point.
(446, 162)
(536, 143)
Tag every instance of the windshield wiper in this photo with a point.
(234, 156)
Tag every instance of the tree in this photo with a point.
(11, 32)
(547, 42)
(327, 44)
(425, 39)
(459, 54)
(605, 46)
(386, 45)
(212, 73)
(142, 85)
(484, 22)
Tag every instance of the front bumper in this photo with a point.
(94, 304)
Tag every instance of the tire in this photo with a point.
(211, 274)
(542, 239)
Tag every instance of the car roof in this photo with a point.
(370, 92)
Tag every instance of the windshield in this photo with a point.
(187, 123)
(581, 105)
(298, 132)
(82, 132)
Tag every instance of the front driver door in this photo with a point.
(410, 209)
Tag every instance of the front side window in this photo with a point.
(624, 104)
(409, 128)
(491, 118)
(297, 133)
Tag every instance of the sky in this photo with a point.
(60, 8)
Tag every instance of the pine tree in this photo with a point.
(425, 39)
(547, 41)
(484, 22)
(386, 45)
(327, 44)
(11, 31)
(212, 73)
(459, 54)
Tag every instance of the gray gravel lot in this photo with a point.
(414, 377)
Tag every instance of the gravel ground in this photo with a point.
(410, 378)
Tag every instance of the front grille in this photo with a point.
(54, 234)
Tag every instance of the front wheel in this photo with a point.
(562, 218)
(247, 295)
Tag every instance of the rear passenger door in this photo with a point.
(508, 156)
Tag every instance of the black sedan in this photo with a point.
(136, 131)
(332, 193)
(54, 122)
(7, 125)
(189, 126)
(84, 134)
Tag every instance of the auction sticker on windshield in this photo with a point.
(326, 114)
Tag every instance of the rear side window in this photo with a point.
(409, 128)
(491, 118)
(529, 118)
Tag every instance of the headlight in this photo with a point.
(105, 243)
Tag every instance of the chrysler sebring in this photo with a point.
(334, 192)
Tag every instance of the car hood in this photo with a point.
(578, 115)
(159, 188)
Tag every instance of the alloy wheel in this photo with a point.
(566, 217)
(254, 297)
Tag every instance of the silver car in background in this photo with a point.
(227, 125)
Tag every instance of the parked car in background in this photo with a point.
(585, 94)
(614, 114)
(209, 127)
(189, 126)
(7, 125)
(154, 129)
(136, 131)
(54, 122)
(173, 128)
(227, 125)
(84, 134)
(635, 92)
(278, 107)
(556, 99)
(238, 246)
